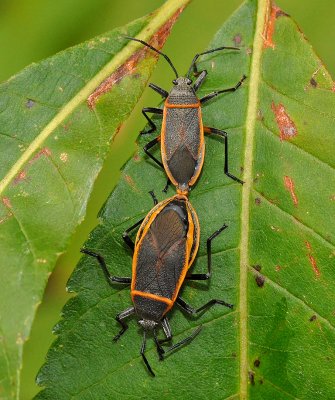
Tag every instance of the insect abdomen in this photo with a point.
(182, 144)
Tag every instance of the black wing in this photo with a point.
(161, 256)
(182, 142)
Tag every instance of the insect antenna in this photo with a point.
(207, 52)
(157, 51)
(146, 362)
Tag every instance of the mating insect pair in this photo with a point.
(165, 248)
(168, 238)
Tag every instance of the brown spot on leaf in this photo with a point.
(285, 124)
(260, 280)
(6, 202)
(117, 130)
(278, 268)
(270, 24)
(21, 176)
(251, 376)
(257, 267)
(67, 125)
(30, 103)
(237, 40)
(257, 363)
(312, 260)
(260, 116)
(313, 318)
(136, 157)
(313, 82)
(258, 201)
(289, 184)
(129, 67)
(131, 182)
(281, 13)
(43, 152)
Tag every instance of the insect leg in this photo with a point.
(119, 318)
(167, 331)
(110, 278)
(225, 136)
(192, 311)
(200, 80)
(125, 235)
(154, 198)
(143, 355)
(147, 152)
(214, 94)
(202, 277)
(127, 238)
(159, 348)
(148, 146)
(184, 341)
(152, 110)
(159, 90)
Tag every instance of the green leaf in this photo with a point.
(274, 262)
(58, 119)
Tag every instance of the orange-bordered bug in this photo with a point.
(182, 132)
(165, 248)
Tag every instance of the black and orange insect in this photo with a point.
(165, 247)
(182, 132)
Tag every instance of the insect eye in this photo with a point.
(189, 81)
(175, 82)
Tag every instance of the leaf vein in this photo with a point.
(111, 372)
(317, 235)
(285, 291)
(24, 233)
(281, 390)
(304, 151)
(297, 101)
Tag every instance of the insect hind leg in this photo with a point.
(110, 278)
(119, 318)
(184, 341)
(142, 352)
(224, 134)
(193, 311)
(203, 277)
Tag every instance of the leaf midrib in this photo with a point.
(166, 11)
(263, 8)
